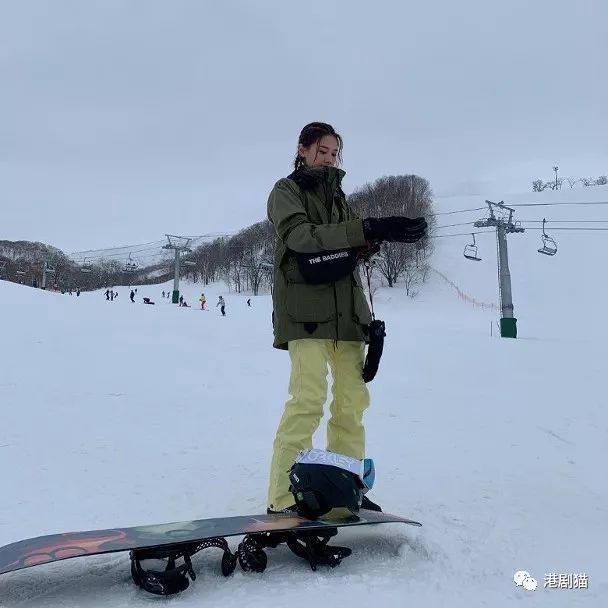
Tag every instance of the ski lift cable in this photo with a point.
(441, 236)
(121, 254)
(558, 204)
(573, 229)
(453, 225)
(100, 253)
(158, 244)
(114, 255)
(459, 211)
(87, 251)
(213, 235)
(227, 234)
(565, 221)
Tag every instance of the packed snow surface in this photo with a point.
(122, 414)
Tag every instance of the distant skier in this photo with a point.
(78, 292)
(132, 296)
(248, 301)
(112, 296)
(222, 306)
(107, 294)
(181, 300)
(202, 300)
(163, 294)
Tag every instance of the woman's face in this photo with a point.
(323, 153)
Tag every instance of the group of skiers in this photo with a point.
(111, 294)
(64, 290)
(203, 300)
(221, 303)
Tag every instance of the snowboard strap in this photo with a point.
(313, 547)
(174, 577)
(310, 545)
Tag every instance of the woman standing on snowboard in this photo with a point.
(320, 314)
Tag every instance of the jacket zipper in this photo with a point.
(337, 318)
(330, 202)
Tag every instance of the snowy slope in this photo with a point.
(118, 414)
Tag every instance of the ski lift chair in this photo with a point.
(86, 267)
(470, 251)
(130, 265)
(549, 245)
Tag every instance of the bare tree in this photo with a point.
(391, 262)
(408, 195)
(538, 185)
(602, 180)
(572, 181)
(242, 261)
(413, 277)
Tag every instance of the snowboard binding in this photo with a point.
(168, 570)
(174, 577)
(311, 546)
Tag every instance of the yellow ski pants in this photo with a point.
(304, 410)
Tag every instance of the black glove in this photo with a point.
(377, 333)
(395, 229)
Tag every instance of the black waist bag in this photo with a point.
(326, 266)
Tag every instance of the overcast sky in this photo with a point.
(123, 120)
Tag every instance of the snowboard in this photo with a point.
(187, 537)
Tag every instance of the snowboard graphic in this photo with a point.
(185, 538)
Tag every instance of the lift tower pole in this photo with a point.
(46, 269)
(179, 244)
(501, 218)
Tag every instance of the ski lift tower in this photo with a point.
(501, 218)
(268, 268)
(46, 269)
(178, 244)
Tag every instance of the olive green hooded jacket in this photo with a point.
(310, 214)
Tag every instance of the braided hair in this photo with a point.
(311, 134)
